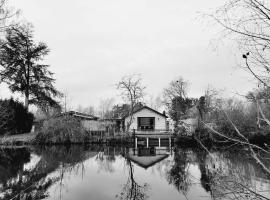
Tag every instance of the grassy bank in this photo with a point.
(31, 139)
(20, 139)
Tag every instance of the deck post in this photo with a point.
(159, 142)
(136, 142)
(147, 142)
(134, 138)
(170, 142)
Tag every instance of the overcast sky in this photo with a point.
(94, 43)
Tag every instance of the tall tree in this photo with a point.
(175, 98)
(132, 92)
(176, 88)
(22, 70)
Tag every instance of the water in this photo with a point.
(102, 172)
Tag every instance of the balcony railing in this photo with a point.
(152, 131)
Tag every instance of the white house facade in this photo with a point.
(147, 119)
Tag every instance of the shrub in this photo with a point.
(14, 117)
(64, 129)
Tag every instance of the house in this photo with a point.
(79, 115)
(89, 122)
(147, 119)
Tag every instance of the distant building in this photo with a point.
(89, 122)
(79, 115)
(147, 119)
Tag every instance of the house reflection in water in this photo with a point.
(145, 156)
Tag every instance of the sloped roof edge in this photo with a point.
(146, 107)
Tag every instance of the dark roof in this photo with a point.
(79, 115)
(146, 107)
(141, 160)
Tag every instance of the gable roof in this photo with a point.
(148, 108)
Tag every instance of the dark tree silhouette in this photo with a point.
(22, 70)
(179, 175)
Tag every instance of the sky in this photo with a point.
(94, 43)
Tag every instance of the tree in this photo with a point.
(248, 23)
(105, 108)
(176, 100)
(119, 111)
(176, 88)
(6, 15)
(21, 69)
(14, 118)
(155, 103)
(180, 106)
(132, 190)
(132, 92)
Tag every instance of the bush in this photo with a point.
(242, 114)
(14, 117)
(60, 130)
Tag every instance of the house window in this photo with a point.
(146, 123)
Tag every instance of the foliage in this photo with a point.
(62, 129)
(232, 110)
(21, 69)
(176, 88)
(14, 117)
(180, 106)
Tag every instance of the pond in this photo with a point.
(105, 172)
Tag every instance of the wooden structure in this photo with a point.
(147, 120)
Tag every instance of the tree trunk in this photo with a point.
(26, 101)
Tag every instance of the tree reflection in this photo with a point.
(11, 162)
(32, 184)
(105, 158)
(179, 175)
(228, 175)
(24, 184)
(132, 190)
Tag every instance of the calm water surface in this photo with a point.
(101, 173)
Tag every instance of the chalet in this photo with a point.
(147, 119)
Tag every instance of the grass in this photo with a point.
(19, 139)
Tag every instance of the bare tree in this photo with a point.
(176, 88)
(248, 23)
(89, 110)
(132, 91)
(105, 107)
(7, 14)
(155, 102)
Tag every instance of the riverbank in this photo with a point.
(20, 139)
(30, 139)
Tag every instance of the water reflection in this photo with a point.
(102, 172)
